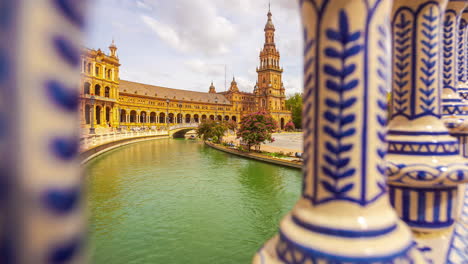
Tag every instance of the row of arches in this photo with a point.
(152, 117)
(106, 92)
(97, 114)
(269, 62)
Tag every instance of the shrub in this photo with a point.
(289, 126)
(256, 128)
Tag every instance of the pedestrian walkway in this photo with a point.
(284, 142)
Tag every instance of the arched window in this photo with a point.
(179, 118)
(107, 92)
(87, 88)
(123, 116)
(88, 114)
(162, 118)
(133, 116)
(97, 90)
(143, 117)
(108, 114)
(89, 68)
(152, 117)
(98, 115)
(195, 117)
(187, 118)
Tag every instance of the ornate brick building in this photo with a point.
(120, 103)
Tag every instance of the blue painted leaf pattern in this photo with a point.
(339, 122)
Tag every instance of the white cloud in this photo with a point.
(144, 5)
(203, 67)
(191, 26)
(165, 33)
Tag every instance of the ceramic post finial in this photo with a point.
(344, 215)
(424, 162)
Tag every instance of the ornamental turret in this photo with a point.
(113, 49)
(212, 88)
(233, 87)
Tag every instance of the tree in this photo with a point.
(256, 128)
(232, 125)
(289, 126)
(294, 103)
(212, 129)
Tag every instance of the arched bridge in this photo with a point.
(179, 130)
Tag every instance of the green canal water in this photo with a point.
(178, 201)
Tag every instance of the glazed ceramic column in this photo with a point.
(452, 104)
(344, 214)
(462, 55)
(424, 162)
(454, 107)
(463, 88)
(40, 174)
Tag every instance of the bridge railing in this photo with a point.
(184, 125)
(89, 141)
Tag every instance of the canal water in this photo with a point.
(178, 201)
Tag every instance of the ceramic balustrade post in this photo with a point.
(463, 67)
(424, 164)
(454, 107)
(42, 220)
(344, 214)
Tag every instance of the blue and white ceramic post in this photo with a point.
(344, 215)
(454, 107)
(453, 63)
(39, 77)
(463, 56)
(425, 166)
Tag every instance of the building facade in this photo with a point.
(109, 102)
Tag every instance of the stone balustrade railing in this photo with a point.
(90, 141)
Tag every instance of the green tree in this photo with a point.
(256, 128)
(294, 103)
(212, 129)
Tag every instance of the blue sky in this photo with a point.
(184, 44)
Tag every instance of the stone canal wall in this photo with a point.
(256, 156)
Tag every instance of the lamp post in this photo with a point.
(180, 111)
(92, 99)
(120, 119)
(216, 109)
(167, 114)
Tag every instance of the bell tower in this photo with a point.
(270, 90)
